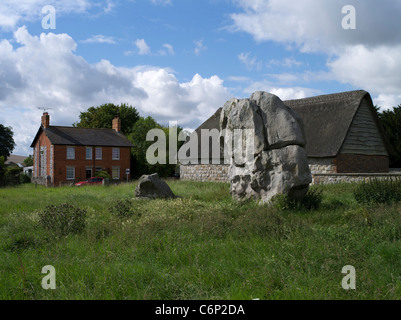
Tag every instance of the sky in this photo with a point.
(181, 60)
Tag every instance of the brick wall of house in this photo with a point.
(81, 164)
(356, 163)
(42, 142)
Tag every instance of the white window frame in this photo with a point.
(112, 173)
(97, 152)
(73, 173)
(86, 153)
(69, 156)
(113, 157)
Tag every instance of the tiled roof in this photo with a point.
(75, 136)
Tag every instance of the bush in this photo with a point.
(379, 191)
(311, 201)
(24, 178)
(11, 176)
(63, 219)
(123, 209)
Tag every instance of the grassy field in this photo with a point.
(201, 246)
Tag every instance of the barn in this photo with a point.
(343, 134)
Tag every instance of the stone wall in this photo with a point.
(319, 179)
(43, 181)
(322, 165)
(219, 173)
(204, 172)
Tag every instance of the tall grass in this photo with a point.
(203, 245)
(379, 191)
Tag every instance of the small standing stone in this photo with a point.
(151, 187)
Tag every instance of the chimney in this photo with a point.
(45, 120)
(116, 125)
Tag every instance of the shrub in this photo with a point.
(379, 191)
(63, 219)
(24, 178)
(311, 201)
(123, 209)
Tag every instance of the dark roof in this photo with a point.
(326, 119)
(84, 137)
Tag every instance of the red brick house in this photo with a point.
(68, 154)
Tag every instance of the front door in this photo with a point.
(88, 173)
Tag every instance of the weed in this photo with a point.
(311, 201)
(123, 209)
(379, 191)
(63, 219)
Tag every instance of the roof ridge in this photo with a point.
(80, 128)
(327, 97)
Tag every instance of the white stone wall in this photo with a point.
(323, 172)
(322, 165)
(349, 178)
(204, 172)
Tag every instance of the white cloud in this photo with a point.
(161, 2)
(100, 39)
(169, 48)
(284, 93)
(286, 62)
(14, 12)
(250, 62)
(377, 68)
(142, 47)
(387, 101)
(44, 71)
(315, 25)
(199, 46)
(110, 5)
(368, 57)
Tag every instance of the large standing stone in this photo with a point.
(278, 163)
(151, 187)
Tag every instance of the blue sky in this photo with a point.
(180, 60)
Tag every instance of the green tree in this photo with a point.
(138, 138)
(102, 117)
(391, 121)
(2, 171)
(28, 162)
(7, 143)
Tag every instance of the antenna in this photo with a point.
(44, 108)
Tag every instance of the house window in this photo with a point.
(116, 173)
(116, 153)
(98, 153)
(70, 153)
(70, 173)
(88, 153)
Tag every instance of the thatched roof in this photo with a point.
(74, 136)
(326, 118)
